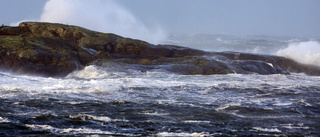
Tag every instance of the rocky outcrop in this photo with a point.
(281, 64)
(55, 50)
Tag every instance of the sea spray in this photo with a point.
(105, 16)
(307, 52)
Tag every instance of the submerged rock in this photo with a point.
(55, 50)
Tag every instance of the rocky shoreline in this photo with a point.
(55, 50)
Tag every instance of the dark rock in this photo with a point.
(283, 65)
(55, 50)
(192, 65)
(102, 55)
(259, 67)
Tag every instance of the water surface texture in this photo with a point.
(120, 101)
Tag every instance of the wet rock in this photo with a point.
(55, 50)
(102, 55)
(283, 65)
(191, 65)
(260, 67)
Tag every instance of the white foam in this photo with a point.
(223, 107)
(182, 134)
(155, 114)
(196, 121)
(270, 64)
(282, 103)
(307, 52)
(91, 117)
(89, 72)
(4, 120)
(161, 87)
(266, 129)
(70, 131)
(299, 126)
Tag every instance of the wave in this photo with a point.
(105, 16)
(306, 52)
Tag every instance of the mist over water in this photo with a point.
(302, 50)
(100, 15)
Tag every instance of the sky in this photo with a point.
(298, 18)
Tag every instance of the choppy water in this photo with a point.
(94, 101)
(120, 101)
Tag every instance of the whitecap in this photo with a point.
(266, 129)
(196, 121)
(155, 114)
(4, 120)
(292, 126)
(91, 117)
(182, 134)
(282, 103)
(224, 107)
(307, 52)
(69, 131)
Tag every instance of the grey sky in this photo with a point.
(238, 17)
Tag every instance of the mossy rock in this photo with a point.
(28, 54)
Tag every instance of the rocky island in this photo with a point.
(55, 50)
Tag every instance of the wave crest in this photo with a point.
(105, 16)
(307, 52)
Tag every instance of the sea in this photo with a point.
(117, 100)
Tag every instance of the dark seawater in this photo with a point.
(120, 101)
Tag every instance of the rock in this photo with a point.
(191, 65)
(286, 65)
(102, 55)
(260, 67)
(55, 50)
(144, 62)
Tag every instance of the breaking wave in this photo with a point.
(100, 15)
(307, 52)
(106, 16)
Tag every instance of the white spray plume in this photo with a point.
(303, 52)
(100, 15)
